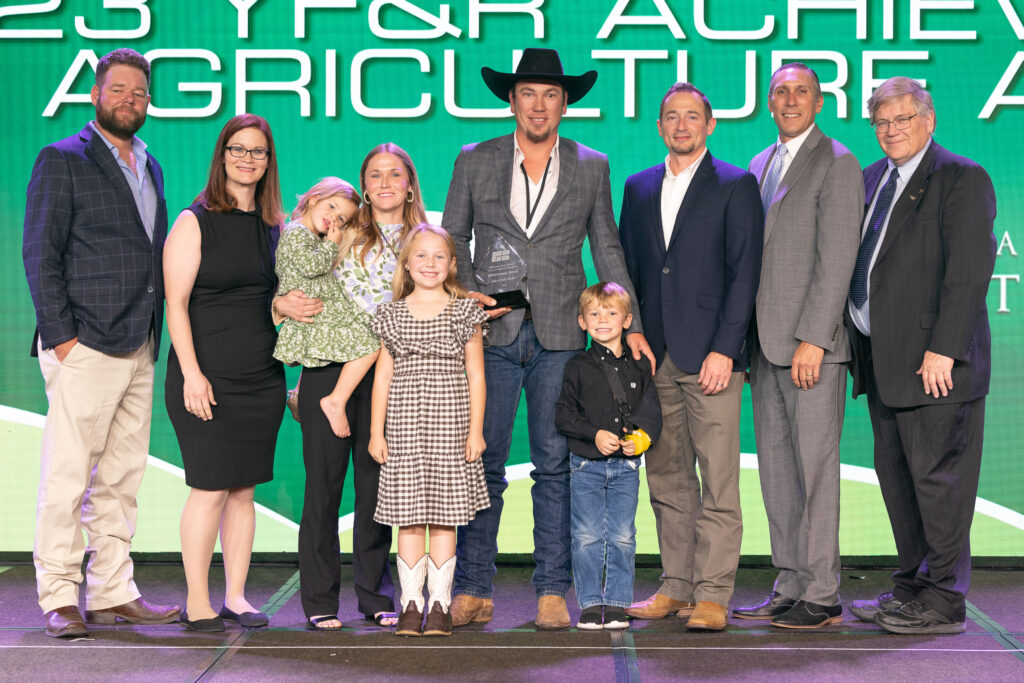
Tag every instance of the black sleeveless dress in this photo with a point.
(234, 338)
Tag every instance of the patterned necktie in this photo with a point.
(859, 283)
(771, 181)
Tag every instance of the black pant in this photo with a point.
(326, 458)
(928, 460)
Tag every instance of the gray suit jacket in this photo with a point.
(811, 237)
(477, 208)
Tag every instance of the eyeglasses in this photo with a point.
(257, 153)
(899, 123)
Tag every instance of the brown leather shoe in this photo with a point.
(552, 613)
(438, 622)
(410, 621)
(708, 616)
(466, 608)
(138, 611)
(65, 622)
(659, 606)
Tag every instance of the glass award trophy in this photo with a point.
(501, 271)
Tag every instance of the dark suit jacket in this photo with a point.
(696, 293)
(92, 270)
(928, 285)
(477, 208)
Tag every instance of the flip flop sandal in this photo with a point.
(313, 623)
(379, 618)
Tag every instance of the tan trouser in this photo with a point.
(700, 526)
(95, 444)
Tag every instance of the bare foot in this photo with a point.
(325, 623)
(335, 412)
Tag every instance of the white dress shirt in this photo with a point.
(673, 189)
(792, 147)
(517, 202)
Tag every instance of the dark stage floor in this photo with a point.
(508, 648)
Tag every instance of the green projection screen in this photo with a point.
(336, 77)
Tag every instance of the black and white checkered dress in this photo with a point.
(426, 479)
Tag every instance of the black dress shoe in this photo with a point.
(865, 610)
(914, 618)
(809, 615)
(246, 619)
(772, 606)
(211, 625)
(65, 622)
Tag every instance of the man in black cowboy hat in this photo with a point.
(528, 200)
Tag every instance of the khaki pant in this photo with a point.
(95, 444)
(700, 526)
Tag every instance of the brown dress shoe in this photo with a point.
(552, 613)
(410, 621)
(65, 622)
(708, 616)
(138, 611)
(466, 608)
(659, 606)
(438, 622)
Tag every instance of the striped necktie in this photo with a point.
(859, 283)
(771, 181)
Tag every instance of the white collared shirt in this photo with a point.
(861, 317)
(673, 189)
(517, 202)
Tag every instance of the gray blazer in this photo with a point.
(811, 237)
(477, 208)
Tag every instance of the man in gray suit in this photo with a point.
(528, 200)
(813, 199)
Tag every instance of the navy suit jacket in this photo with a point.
(92, 270)
(697, 292)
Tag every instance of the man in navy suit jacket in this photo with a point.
(95, 224)
(691, 229)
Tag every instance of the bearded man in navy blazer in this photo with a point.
(922, 353)
(691, 228)
(95, 223)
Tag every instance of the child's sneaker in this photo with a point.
(590, 619)
(615, 617)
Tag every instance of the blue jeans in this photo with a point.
(604, 495)
(523, 364)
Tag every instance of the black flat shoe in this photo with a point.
(246, 619)
(211, 625)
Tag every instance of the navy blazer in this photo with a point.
(697, 292)
(92, 270)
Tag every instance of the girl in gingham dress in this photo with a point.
(427, 422)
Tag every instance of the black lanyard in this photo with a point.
(531, 212)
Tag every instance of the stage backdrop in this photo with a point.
(336, 77)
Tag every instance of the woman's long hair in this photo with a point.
(215, 195)
(402, 283)
(362, 233)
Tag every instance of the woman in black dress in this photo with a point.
(224, 389)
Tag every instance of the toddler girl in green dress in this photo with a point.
(306, 257)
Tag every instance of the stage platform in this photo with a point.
(509, 648)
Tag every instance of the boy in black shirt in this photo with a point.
(609, 411)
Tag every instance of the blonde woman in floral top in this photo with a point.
(369, 247)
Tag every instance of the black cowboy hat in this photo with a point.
(539, 64)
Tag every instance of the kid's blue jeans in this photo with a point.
(604, 497)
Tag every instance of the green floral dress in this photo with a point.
(341, 332)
